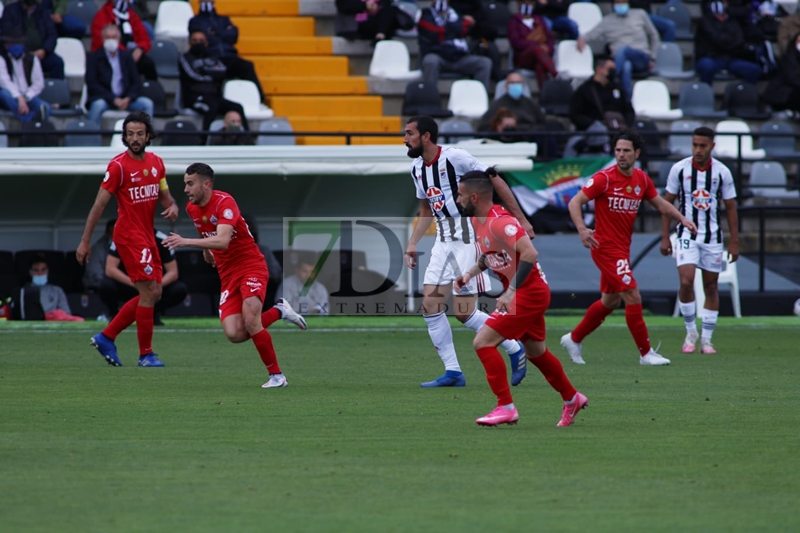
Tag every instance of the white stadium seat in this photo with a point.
(727, 145)
(391, 61)
(468, 98)
(572, 63)
(585, 14)
(74, 55)
(651, 100)
(172, 19)
(245, 93)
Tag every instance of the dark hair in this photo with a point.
(628, 135)
(426, 124)
(480, 181)
(139, 117)
(600, 61)
(202, 170)
(704, 131)
(251, 225)
(498, 117)
(36, 259)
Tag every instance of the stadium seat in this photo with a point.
(176, 133)
(652, 143)
(216, 125)
(728, 146)
(172, 19)
(411, 8)
(778, 146)
(677, 12)
(3, 136)
(681, 144)
(455, 125)
(245, 93)
(391, 61)
(572, 63)
(651, 99)
(8, 273)
(468, 98)
(422, 98)
(586, 15)
(56, 93)
(768, 180)
(497, 15)
(179, 104)
(501, 88)
(85, 10)
(165, 56)
(697, 100)
(74, 55)
(275, 125)
(195, 304)
(38, 133)
(555, 96)
(198, 275)
(741, 100)
(76, 139)
(86, 304)
(73, 270)
(116, 138)
(153, 90)
(669, 63)
(663, 173)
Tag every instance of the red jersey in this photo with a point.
(497, 237)
(242, 254)
(136, 186)
(616, 203)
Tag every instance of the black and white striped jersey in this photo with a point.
(438, 183)
(700, 193)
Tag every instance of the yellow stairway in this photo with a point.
(302, 79)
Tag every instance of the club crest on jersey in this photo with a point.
(228, 214)
(486, 242)
(435, 198)
(589, 183)
(637, 191)
(148, 270)
(106, 177)
(701, 200)
(213, 219)
(511, 230)
(154, 172)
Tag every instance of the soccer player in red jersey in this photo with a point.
(227, 243)
(138, 180)
(506, 249)
(617, 192)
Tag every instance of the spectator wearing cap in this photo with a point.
(133, 39)
(40, 33)
(21, 79)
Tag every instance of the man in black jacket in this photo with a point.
(40, 33)
(201, 76)
(375, 19)
(112, 79)
(720, 44)
(599, 95)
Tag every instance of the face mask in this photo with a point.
(111, 45)
(234, 128)
(198, 49)
(29, 3)
(717, 8)
(612, 74)
(16, 50)
(440, 5)
(621, 9)
(206, 7)
(39, 281)
(515, 90)
(526, 10)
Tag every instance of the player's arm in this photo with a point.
(169, 204)
(669, 210)
(733, 227)
(114, 272)
(576, 214)
(220, 241)
(423, 223)
(85, 247)
(473, 271)
(171, 273)
(666, 225)
(508, 199)
(527, 259)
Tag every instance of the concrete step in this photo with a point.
(257, 8)
(326, 106)
(275, 26)
(310, 85)
(292, 46)
(284, 65)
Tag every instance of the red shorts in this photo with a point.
(237, 288)
(615, 271)
(142, 262)
(525, 319)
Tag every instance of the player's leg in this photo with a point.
(251, 317)
(282, 309)
(636, 325)
(149, 295)
(553, 371)
(485, 344)
(710, 311)
(687, 259)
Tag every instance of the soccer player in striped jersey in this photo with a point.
(436, 172)
(701, 184)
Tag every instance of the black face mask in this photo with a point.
(612, 74)
(198, 49)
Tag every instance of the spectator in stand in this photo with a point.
(95, 273)
(665, 26)
(554, 13)
(533, 43)
(66, 25)
(21, 79)
(528, 114)
(202, 75)
(483, 33)
(443, 47)
(112, 81)
(783, 91)
(720, 44)
(222, 36)
(503, 122)
(237, 135)
(141, 9)
(133, 35)
(52, 297)
(375, 18)
(601, 100)
(40, 33)
(789, 27)
(313, 302)
(632, 39)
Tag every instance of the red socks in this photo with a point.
(125, 317)
(263, 342)
(594, 316)
(635, 320)
(144, 329)
(550, 367)
(496, 374)
(270, 316)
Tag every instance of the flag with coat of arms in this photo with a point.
(553, 183)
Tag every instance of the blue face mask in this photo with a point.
(16, 50)
(39, 281)
(621, 9)
(515, 90)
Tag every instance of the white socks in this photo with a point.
(477, 319)
(442, 338)
(689, 315)
(709, 318)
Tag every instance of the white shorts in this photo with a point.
(706, 257)
(451, 259)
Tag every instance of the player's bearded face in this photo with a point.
(465, 205)
(136, 138)
(413, 142)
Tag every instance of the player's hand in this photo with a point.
(733, 251)
(83, 252)
(688, 224)
(505, 300)
(209, 257)
(528, 228)
(666, 246)
(587, 238)
(171, 213)
(461, 281)
(411, 255)
(174, 241)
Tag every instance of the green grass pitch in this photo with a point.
(710, 443)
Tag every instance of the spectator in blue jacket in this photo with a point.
(40, 33)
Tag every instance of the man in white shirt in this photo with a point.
(21, 79)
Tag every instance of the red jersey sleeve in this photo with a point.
(228, 212)
(113, 178)
(596, 185)
(506, 230)
(650, 190)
